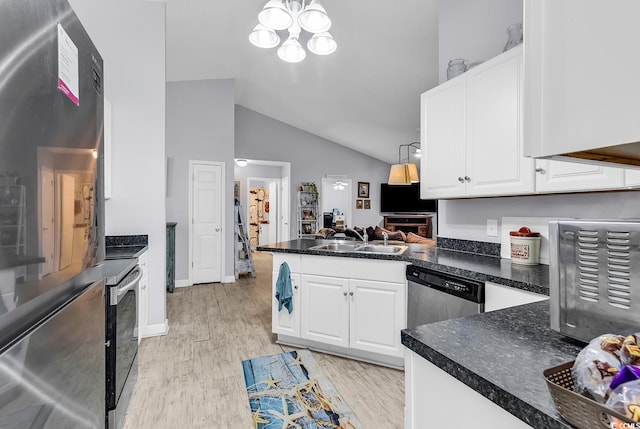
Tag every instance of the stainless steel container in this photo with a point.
(594, 277)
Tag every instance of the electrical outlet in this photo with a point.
(492, 227)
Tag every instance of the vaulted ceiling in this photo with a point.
(365, 96)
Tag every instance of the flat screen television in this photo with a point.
(404, 199)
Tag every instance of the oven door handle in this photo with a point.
(124, 289)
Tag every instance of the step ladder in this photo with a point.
(244, 257)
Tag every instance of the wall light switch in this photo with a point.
(492, 227)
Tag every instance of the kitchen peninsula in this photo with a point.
(494, 359)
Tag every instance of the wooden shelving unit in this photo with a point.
(308, 214)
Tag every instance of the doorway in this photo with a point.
(273, 178)
(206, 214)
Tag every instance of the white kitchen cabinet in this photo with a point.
(283, 322)
(435, 399)
(632, 177)
(581, 81)
(472, 134)
(498, 296)
(325, 309)
(377, 314)
(361, 314)
(443, 119)
(561, 176)
(143, 295)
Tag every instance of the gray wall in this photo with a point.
(311, 157)
(200, 117)
(134, 82)
(467, 219)
(474, 30)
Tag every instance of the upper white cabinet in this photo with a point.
(472, 135)
(632, 177)
(443, 119)
(560, 176)
(581, 75)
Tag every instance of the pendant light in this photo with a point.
(291, 51)
(404, 173)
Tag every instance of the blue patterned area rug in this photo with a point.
(291, 390)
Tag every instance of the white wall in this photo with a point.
(474, 30)
(200, 116)
(467, 219)
(312, 158)
(130, 36)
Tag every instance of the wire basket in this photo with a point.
(578, 410)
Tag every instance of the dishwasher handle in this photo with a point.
(468, 289)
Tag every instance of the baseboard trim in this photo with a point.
(394, 362)
(229, 279)
(183, 283)
(157, 330)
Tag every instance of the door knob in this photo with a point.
(344, 293)
(540, 170)
(295, 287)
(217, 229)
(461, 179)
(467, 178)
(350, 293)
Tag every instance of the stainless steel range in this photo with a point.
(122, 278)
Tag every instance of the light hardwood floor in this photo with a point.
(192, 377)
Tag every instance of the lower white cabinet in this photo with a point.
(497, 297)
(282, 321)
(325, 309)
(360, 314)
(143, 295)
(435, 399)
(632, 177)
(376, 316)
(360, 308)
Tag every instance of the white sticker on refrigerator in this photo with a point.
(68, 68)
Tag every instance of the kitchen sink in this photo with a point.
(381, 248)
(360, 248)
(337, 247)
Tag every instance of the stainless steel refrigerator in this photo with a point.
(52, 325)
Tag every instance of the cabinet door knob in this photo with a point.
(467, 178)
(295, 287)
(540, 170)
(350, 293)
(461, 179)
(344, 293)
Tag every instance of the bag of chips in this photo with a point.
(625, 399)
(596, 366)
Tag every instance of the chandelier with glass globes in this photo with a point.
(294, 16)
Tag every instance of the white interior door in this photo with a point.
(67, 190)
(47, 201)
(284, 230)
(206, 222)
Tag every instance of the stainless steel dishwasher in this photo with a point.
(434, 296)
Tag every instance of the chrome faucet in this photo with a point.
(385, 237)
(364, 238)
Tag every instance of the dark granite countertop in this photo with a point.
(501, 355)
(478, 267)
(115, 270)
(124, 252)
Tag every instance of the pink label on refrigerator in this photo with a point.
(68, 68)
